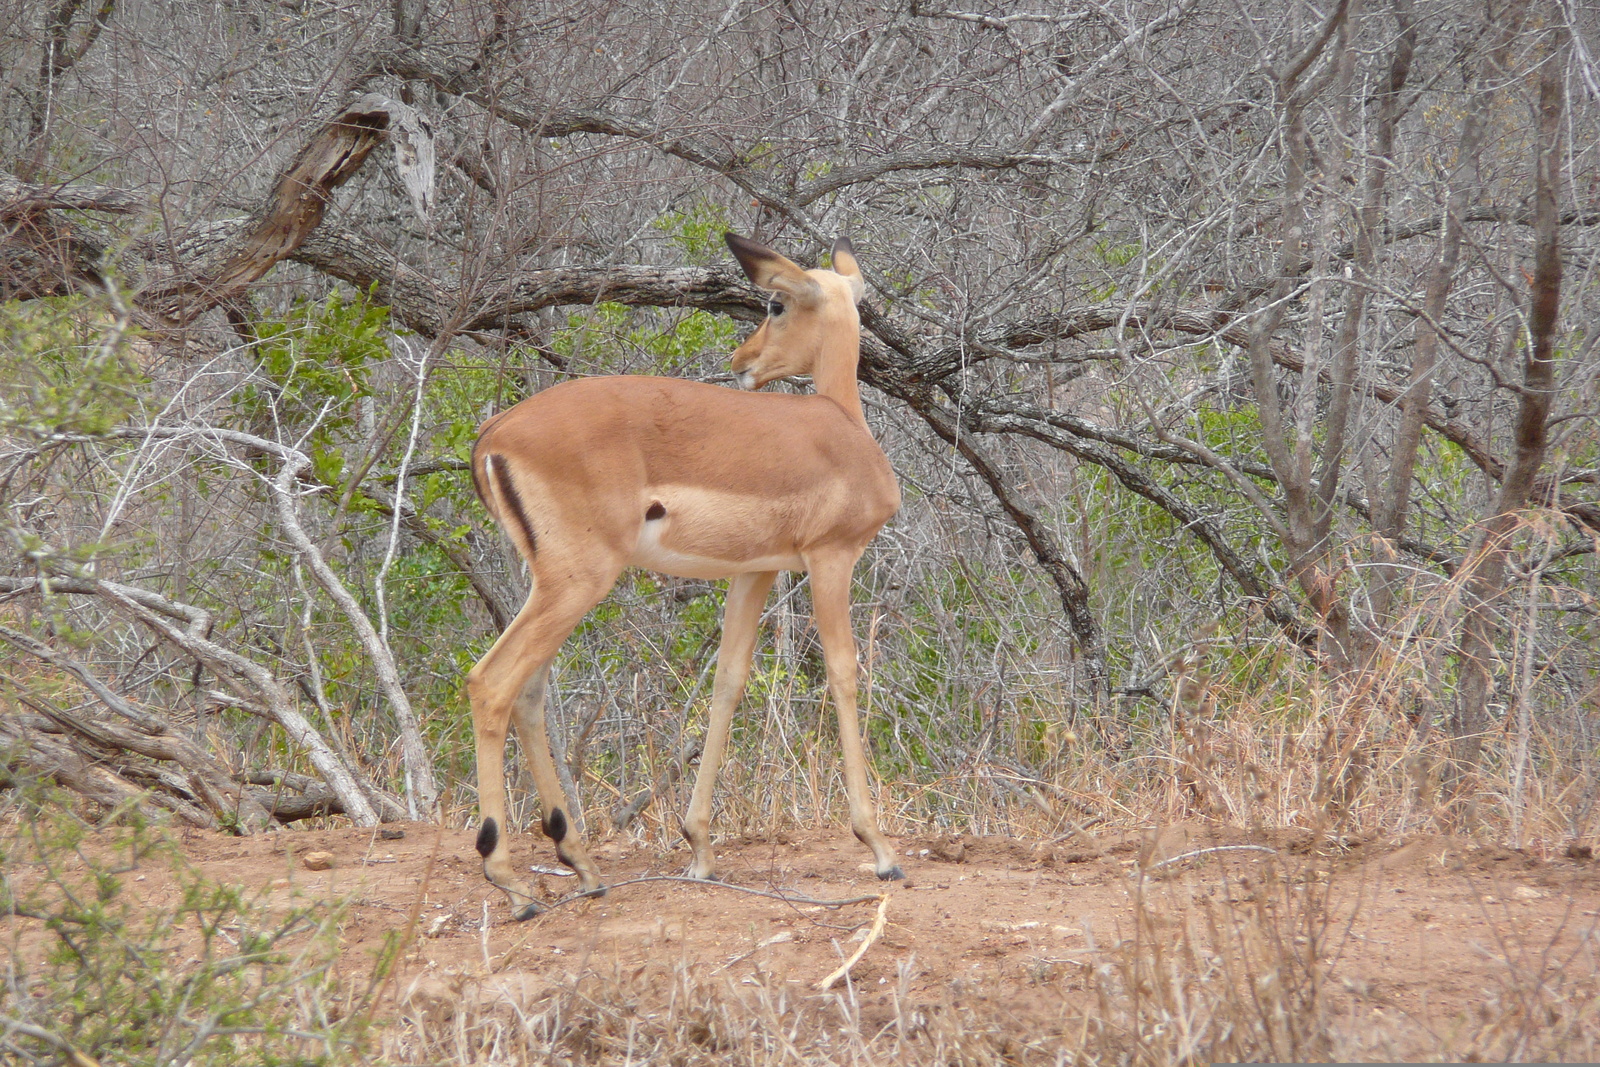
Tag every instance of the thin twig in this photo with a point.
(73, 1057)
(785, 897)
(1206, 851)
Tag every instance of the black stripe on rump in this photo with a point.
(508, 493)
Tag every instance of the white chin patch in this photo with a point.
(747, 379)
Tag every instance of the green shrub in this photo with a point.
(217, 977)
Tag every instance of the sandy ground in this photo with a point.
(1418, 934)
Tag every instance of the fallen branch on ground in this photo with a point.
(872, 936)
(787, 898)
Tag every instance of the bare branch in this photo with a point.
(296, 207)
(158, 613)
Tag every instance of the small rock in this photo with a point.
(1527, 892)
(1576, 851)
(318, 861)
(391, 833)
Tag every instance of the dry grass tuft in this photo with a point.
(678, 1014)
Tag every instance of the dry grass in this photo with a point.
(681, 1016)
(1249, 976)
(1360, 762)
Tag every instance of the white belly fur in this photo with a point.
(651, 554)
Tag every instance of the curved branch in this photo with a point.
(1069, 582)
(426, 305)
(989, 417)
(296, 207)
(465, 81)
(235, 668)
(1216, 322)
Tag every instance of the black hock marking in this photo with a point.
(488, 838)
(508, 490)
(658, 510)
(555, 826)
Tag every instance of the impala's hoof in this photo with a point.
(893, 874)
(709, 876)
(527, 912)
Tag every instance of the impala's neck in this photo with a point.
(834, 373)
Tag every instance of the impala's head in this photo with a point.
(811, 316)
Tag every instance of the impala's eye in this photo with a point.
(774, 308)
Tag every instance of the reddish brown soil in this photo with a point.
(1419, 933)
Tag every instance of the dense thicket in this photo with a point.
(1238, 361)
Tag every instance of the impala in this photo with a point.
(599, 474)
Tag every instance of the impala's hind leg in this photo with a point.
(508, 680)
(830, 598)
(746, 594)
(558, 826)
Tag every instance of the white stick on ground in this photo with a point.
(872, 936)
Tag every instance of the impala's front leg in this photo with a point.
(746, 594)
(830, 598)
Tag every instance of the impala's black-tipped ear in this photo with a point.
(769, 270)
(845, 265)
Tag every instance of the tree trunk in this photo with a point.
(1484, 591)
